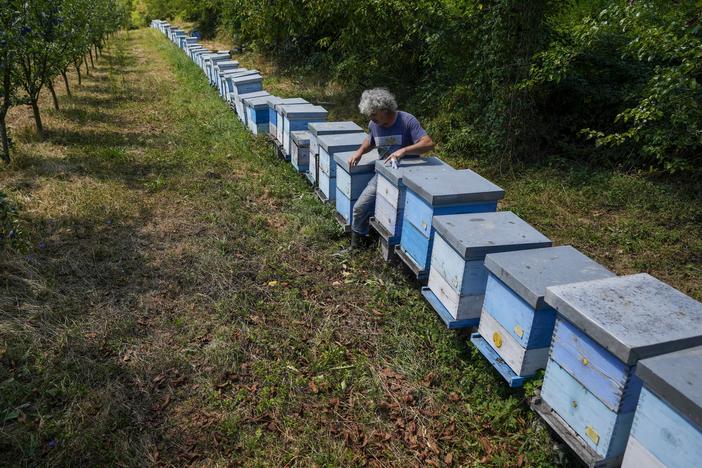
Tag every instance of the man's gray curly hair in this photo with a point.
(377, 99)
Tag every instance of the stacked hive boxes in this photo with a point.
(457, 275)
(245, 84)
(273, 121)
(603, 328)
(300, 150)
(390, 198)
(297, 117)
(318, 129)
(432, 194)
(351, 181)
(516, 324)
(241, 107)
(667, 428)
(256, 109)
(329, 145)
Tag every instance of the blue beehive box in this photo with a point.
(300, 150)
(329, 145)
(221, 68)
(228, 91)
(351, 181)
(457, 274)
(516, 324)
(244, 84)
(239, 103)
(390, 196)
(296, 118)
(431, 194)
(603, 328)
(210, 63)
(280, 120)
(318, 129)
(667, 428)
(257, 114)
(273, 113)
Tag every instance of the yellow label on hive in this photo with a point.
(592, 434)
(519, 331)
(497, 339)
(585, 361)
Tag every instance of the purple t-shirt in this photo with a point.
(405, 131)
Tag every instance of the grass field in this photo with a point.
(178, 296)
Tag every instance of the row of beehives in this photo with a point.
(622, 355)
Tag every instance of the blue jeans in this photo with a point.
(364, 208)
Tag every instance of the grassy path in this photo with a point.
(182, 301)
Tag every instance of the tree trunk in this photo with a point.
(85, 61)
(77, 65)
(37, 118)
(50, 85)
(90, 53)
(5, 139)
(65, 81)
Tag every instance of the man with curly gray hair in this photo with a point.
(395, 134)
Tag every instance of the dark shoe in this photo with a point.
(358, 241)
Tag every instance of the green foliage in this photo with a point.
(504, 79)
(10, 231)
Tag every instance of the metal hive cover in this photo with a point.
(303, 111)
(408, 165)
(451, 188)
(254, 94)
(243, 79)
(676, 378)
(289, 102)
(325, 128)
(341, 142)
(474, 235)
(257, 102)
(365, 165)
(529, 272)
(634, 317)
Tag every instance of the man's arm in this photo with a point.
(363, 149)
(423, 145)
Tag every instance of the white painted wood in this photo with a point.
(385, 213)
(460, 308)
(522, 361)
(638, 456)
(389, 191)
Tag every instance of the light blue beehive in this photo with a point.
(220, 68)
(318, 129)
(300, 150)
(239, 99)
(244, 84)
(667, 428)
(273, 114)
(390, 194)
(329, 145)
(296, 118)
(257, 114)
(431, 194)
(603, 328)
(457, 274)
(228, 91)
(280, 122)
(516, 324)
(351, 181)
(210, 64)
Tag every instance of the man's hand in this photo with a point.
(355, 158)
(395, 157)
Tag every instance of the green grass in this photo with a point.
(182, 300)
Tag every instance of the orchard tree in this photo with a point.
(8, 51)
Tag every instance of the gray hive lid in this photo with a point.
(365, 165)
(474, 235)
(260, 102)
(236, 72)
(272, 101)
(243, 79)
(301, 138)
(221, 59)
(217, 57)
(325, 128)
(408, 165)
(450, 188)
(290, 102)
(634, 317)
(676, 378)
(529, 272)
(341, 142)
(254, 94)
(306, 111)
(228, 64)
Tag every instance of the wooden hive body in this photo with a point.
(432, 194)
(280, 119)
(457, 274)
(329, 145)
(318, 129)
(296, 118)
(667, 427)
(240, 111)
(257, 114)
(604, 327)
(351, 181)
(300, 151)
(514, 298)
